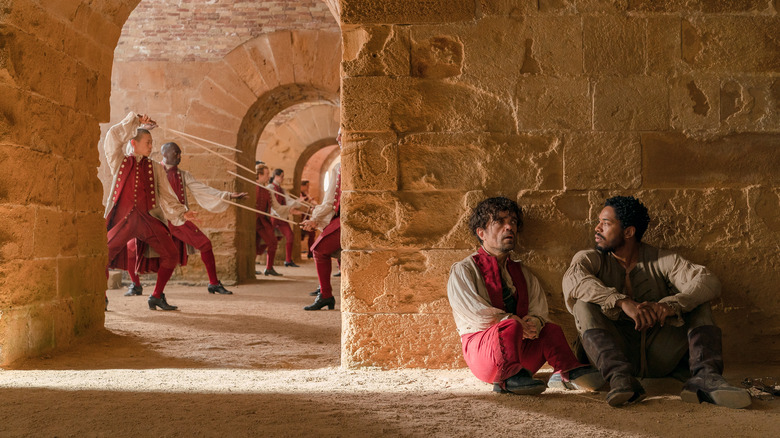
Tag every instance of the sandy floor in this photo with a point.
(256, 364)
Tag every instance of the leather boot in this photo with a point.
(614, 366)
(161, 302)
(706, 361)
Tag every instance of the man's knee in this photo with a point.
(700, 316)
(588, 316)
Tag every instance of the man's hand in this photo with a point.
(308, 225)
(146, 122)
(191, 216)
(236, 195)
(530, 326)
(660, 310)
(644, 317)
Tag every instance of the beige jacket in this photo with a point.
(470, 300)
(659, 275)
(168, 208)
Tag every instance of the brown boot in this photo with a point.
(706, 361)
(614, 366)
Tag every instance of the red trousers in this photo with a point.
(265, 239)
(328, 243)
(186, 234)
(286, 231)
(151, 231)
(498, 353)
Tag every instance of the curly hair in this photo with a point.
(631, 213)
(489, 209)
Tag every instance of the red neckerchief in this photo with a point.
(488, 267)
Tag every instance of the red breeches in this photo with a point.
(286, 231)
(265, 239)
(328, 243)
(500, 352)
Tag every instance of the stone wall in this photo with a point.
(55, 64)
(558, 104)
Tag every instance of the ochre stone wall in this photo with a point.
(558, 104)
(55, 64)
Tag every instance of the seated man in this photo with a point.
(501, 312)
(640, 309)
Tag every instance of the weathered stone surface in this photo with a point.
(400, 341)
(699, 6)
(372, 159)
(26, 282)
(563, 215)
(492, 162)
(376, 51)
(614, 45)
(731, 43)
(636, 104)
(764, 222)
(16, 221)
(663, 45)
(406, 11)
(602, 160)
(693, 103)
(399, 220)
(421, 105)
(750, 104)
(736, 160)
(553, 103)
(694, 219)
(397, 281)
(437, 58)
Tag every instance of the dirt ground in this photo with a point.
(256, 364)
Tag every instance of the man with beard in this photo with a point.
(186, 236)
(501, 312)
(642, 311)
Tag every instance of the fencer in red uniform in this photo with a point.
(277, 179)
(326, 217)
(265, 239)
(187, 237)
(141, 203)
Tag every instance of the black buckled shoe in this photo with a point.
(161, 302)
(315, 293)
(319, 303)
(337, 274)
(219, 289)
(521, 383)
(134, 289)
(291, 265)
(272, 272)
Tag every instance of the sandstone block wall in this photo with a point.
(558, 104)
(55, 64)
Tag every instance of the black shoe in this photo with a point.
(219, 289)
(134, 289)
(319, 303)
(106, 304)
(272, 272)
(337, 274)
(521, 383)
(161, 302)
(309, 256)
(291, 265)
(624, 390)
(315, 293)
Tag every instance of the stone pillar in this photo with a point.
(55, 66)
(558, 104)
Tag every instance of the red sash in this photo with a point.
(488, 267)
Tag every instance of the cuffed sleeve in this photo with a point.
(581, 283)
(695, 284)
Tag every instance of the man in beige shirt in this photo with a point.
(500, 310)
(640, 310)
